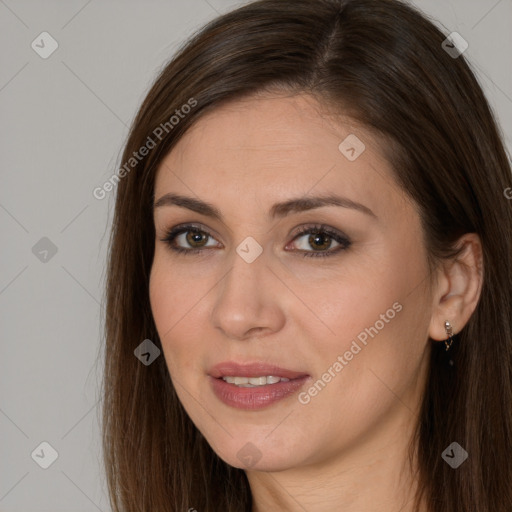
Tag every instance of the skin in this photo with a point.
(348, 445)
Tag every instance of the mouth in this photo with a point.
(254, 385)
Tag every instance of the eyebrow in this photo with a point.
(299, 204)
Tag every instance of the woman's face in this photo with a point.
(333, 296)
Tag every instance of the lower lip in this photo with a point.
(257, 397)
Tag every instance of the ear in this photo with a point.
(458, 288)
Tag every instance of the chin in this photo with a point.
(258, 454)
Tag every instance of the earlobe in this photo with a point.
(459, 288)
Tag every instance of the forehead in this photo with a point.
(275, 146)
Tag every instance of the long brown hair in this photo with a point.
(382, 62)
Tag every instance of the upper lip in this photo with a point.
(255, 369)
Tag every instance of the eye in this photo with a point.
(191, 235)
(320, 238)
(191, 239)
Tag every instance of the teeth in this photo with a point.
(251, 382)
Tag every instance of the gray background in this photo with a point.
(64, 120)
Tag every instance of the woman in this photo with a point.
(310, 258)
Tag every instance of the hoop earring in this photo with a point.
(449, 332)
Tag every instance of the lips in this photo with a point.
(255, 369)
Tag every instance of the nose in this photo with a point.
(249, 301)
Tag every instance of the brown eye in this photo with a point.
(196, 238)
(317, 240)
(188, 239)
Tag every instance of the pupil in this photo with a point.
(316, 240)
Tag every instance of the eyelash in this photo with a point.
(314, 229)
(323, 229)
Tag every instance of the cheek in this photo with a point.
(376, 318)
(172, 294)
(367, 371)
(172, 305)
(350, 301)
(163, 295)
